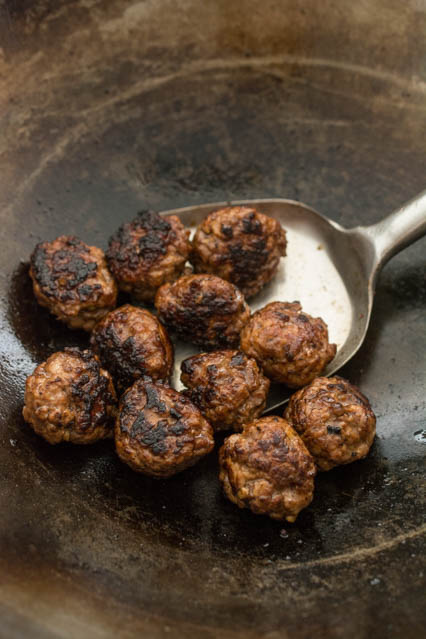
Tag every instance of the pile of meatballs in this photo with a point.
(119, 387)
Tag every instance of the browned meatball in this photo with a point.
(203, 309)
(290, 346)
(334, 419)
(131, 343)
(70, 398)
(159, 432)
(241, 245)
(147, 252)
(72, 280)
(227, 386)
(268, 469)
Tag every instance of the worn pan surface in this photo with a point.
(111, 106)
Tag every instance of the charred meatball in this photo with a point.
(227, 386)
(131, 343)
(241, 245)
(268, 469)
(72, 280)
(334, 419)
(70, 398)
(203, 309)
(290, 346)
(147, 252)
(159, 432)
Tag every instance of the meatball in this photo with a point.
(158, 431)
(147, 252)
(227, 386)
(203, 309)
(70, 398)
(131, 343)
(334, 419)
(268, 469)
(72, 280)
(241, 245)
(289, 345)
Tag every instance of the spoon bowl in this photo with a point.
(330, 270)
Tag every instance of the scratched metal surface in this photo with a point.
(108, 107)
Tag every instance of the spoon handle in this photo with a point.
(399, 229)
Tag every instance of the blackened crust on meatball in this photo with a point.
(289, 345)
(159, 432)
(147, 252)
(334, 419)
(152, 244)
(65, 265)
(203, 309)
(70, 398)
(92, 390)
(240, 245)
(268, 469)
(72, 280)
(227, 386)
(132, 343)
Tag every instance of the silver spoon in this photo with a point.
(331, 270)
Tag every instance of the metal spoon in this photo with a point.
(331, 270)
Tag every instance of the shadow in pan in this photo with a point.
(37, 329)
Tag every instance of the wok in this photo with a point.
(111, 106)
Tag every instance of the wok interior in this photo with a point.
(112, 107)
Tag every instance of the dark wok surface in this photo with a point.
(109, 107)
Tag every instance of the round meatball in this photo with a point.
(227, 386)
(72, 280)
(289, 345)
(203, 309)
(268, 469)
(334, 419)
(147, 252)
(131, 343)
(158, 431)
(241, 245)
(70, 398)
